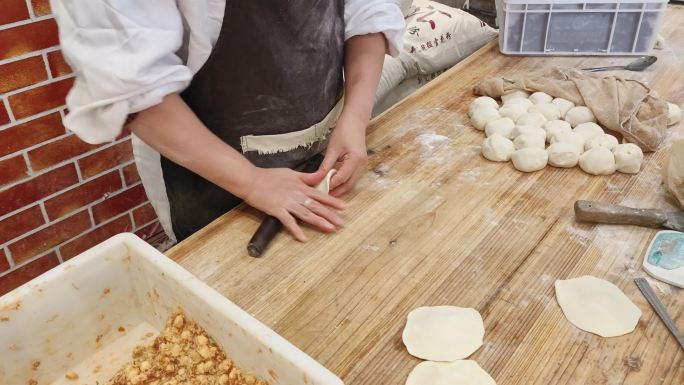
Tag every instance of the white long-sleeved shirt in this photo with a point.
(128, 54)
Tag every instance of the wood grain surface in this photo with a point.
(434, 223)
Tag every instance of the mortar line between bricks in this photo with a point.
(10, 113)
(29, 55)
(26, 262)
(25, 22)
(32, 117)
(59, 255)
(8, 258)
(39, 84)
(32, 14)
(28, 163)
(47, 64)
(43, 210)
(91, 215)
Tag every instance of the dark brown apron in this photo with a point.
(275, 68)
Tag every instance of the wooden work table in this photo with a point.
(434, 223)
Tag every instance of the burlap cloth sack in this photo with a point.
(622, 105)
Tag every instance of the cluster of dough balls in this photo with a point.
(520, 129)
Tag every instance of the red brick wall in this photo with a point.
(58, 195)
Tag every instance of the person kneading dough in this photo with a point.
(224, 98)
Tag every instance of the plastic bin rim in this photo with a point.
(522, 2)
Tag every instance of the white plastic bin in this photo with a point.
(89, 313)
(568, 27)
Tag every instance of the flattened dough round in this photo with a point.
(598, 161)
(462, 372)
(540, 97)
(497, 148)
(482, 101)
(563, 105)
(549, 110)
(579, 115)
(502, 126)
(324, 186)
(530, 159)
(597, 306)
(484, 115)
(674, 114)
(443, 333)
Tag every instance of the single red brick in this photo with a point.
(39, 99)
(20, 223)
(92, 238)
(106, 159)
(4, 264)
(80, 196)
(28, 38)
(58, 66)
(4, 117)
(49, 237)
(143, 215)
(12, 169)
(37, 188)
(130, 174)
(41, 7)
(58, 151)
(13, 11)
(119, 203)
(27, 134)
(22, 73)
(27, 272)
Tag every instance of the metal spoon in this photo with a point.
(639, 64)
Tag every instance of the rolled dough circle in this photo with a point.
(540, 97)
(553, 127)
(514, 111)
(597, 306)
(549, 110)
(588, 130)
(482, 101)
(530, 159)
(530, 140)
(628, 158)
(461, 372)
(578, 115)
(532, 119)
(603, 140)
(598, 161)
(517, 94)
(563, 154)
(497, 148)
(501, 126)
(443, 333)
(674, 114)
(563, 105)
(484, 115)
(571, 137)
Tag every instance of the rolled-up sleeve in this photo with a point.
(123, 55)
(362, 17)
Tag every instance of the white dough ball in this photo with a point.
(563, 154)
(482, 116)
(530, 140)
(540, 97)
(497, 148)
(598, 161)
(674, 114)
(517, 94)
(549, 110)
(563, 105)
(575, 139)
(578, 115)
(588, 130)
(532, 119)
(628, 158)
(519, 130)
(553, 127)
(603, 140)
(530, 159)
(519, 102)
(482, 101)
(501, 126)
(514, 111)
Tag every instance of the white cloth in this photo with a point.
(129, 54)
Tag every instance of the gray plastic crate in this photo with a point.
(567, 27)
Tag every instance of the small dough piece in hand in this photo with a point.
(563, 105)
(519, 130)
(514, 111)
(549, 110)
(598, 161)
(588, 130)
(674, 114)
(530, 159)
(540, 97)
(517, 94)
(482, 101)
(578, 115)
(628, 158)
(484, 115)
(553, 127)
(497, 148)
(324, 185)
(520, 102)
(530, 140)
(597, 306)
(571, 137)
(465, 372)
(443, 333)
(532, 119)
(501, 126)
(603, 140)
(563, 154)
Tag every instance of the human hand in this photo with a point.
(347, 145)
(286, 194)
